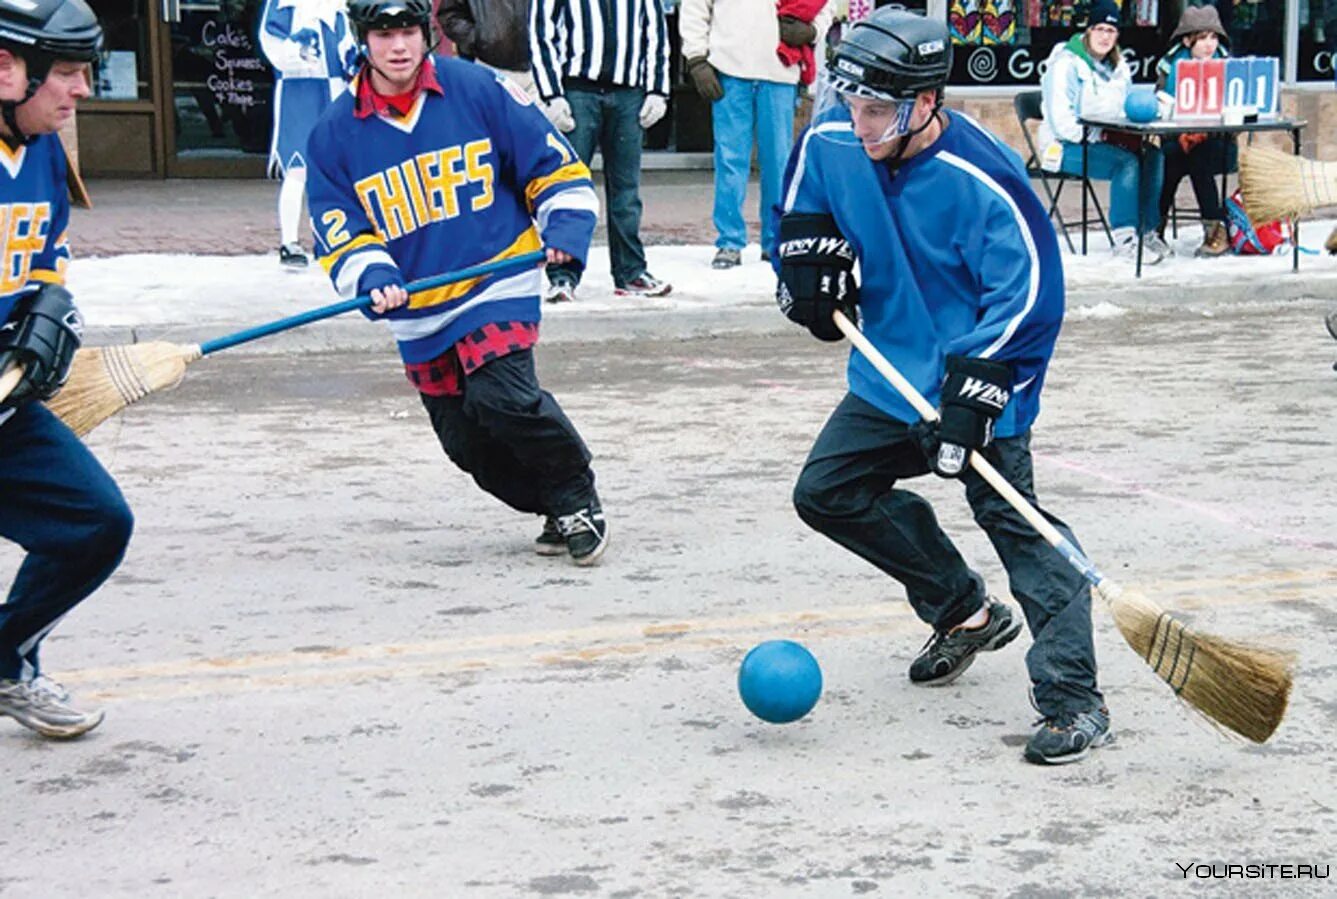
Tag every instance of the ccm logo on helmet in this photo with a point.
(931, 47)
(852, 67)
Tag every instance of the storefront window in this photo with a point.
(1005, 42)
(221, 85)
(123, 71)
(1318, 40)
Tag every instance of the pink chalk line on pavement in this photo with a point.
(1204, 509)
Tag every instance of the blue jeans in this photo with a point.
(848, 492)
(609, 118)
(1106, 162)
(61, 506)
(764, 109)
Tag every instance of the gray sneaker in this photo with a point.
(726, 258)
(43, 705)
(949, 653)
(1069, 737)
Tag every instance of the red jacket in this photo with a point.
(803, 57)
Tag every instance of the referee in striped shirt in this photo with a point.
(602, 69)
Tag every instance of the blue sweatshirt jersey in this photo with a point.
(956, 256)
(34, 216)
(471, 175)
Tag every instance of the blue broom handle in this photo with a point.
(526, 260)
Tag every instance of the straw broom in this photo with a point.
(104, 380)
(1241, 687)
(1279, 185)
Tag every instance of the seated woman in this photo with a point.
(1201, 156)
(1087, 76)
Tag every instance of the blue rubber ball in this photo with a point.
(779, 681)
(1140, 105)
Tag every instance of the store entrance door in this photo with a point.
(219, 89)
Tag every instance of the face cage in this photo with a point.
(838, 92)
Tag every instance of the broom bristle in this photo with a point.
(104, 380)
(1241, 687)
(1277, 185)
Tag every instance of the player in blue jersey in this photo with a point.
(429, 165)
(962, 289)
(56, 501)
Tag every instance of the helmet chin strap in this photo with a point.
(431, 46)
(9, 112)
(893, 162)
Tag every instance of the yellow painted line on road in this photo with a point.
(606, 643)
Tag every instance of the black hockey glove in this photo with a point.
(42, 336)
(816, 274)
(974, 393)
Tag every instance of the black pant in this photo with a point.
(61, 506)
(514, 439)
(847, 491)
(1205, 163)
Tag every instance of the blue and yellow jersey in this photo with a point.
(470, 175)
(34, 217)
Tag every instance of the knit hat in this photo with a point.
(1199, 18)
(1102, 12)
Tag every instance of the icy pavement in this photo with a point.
(194, 297)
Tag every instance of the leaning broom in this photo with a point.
(104, 380)
(1242, 687)
(1278, 185)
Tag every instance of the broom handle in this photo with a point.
(526, 260)
(981, 465)
(9, 380)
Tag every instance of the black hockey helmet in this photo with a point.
(893, 54)
(44, 32)
(371, 15)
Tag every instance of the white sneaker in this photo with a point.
(43, 705)
(1156, 244)
(1125, 243)
(561, 292)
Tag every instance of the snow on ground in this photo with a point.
(134, 290)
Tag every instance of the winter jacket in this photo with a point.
(492, 31)
(1076, 85)
(738, 37)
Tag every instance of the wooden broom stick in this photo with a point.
(104, 380)
(1244, 688)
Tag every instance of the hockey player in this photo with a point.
(312, 50)
(431, 164)
(56, 501)
(963, 290)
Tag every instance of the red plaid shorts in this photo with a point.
(444, 375)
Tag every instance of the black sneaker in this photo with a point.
(586, 534)
(292, 255)
(1069, 737)
(550, 542)
(947, 654)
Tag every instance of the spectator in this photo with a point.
(1087, 76)
(313, 53)
(604, 80)
(493, 32)
(730, 53)
(1200, 155)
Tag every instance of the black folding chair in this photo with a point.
(1027, 105)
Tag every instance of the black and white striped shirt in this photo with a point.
(617, 42)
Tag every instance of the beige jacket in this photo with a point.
(738, 37)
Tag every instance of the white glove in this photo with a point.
(558, 112)
(652, 110)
